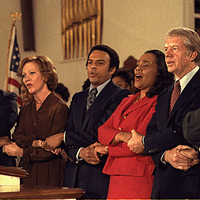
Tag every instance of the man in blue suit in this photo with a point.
(83, 169)
(8, 115)
(177, 173)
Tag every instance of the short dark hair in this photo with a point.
(114, 58)
(164, 79)
(46, 67)
(63, 91)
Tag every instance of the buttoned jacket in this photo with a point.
(82, 131)
(164, 132)
(128, 116)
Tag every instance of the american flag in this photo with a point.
(13, 81)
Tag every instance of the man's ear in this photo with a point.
(193, 55)
(112, 70)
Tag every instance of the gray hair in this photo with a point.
(190, 38)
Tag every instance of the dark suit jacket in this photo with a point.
(191, 127)
(82, 131)
(164, 132)
(8, 115)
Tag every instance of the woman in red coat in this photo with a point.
(131, 173)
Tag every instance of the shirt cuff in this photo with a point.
(143, 140)
(162, 159)
(64, 136)
(77, 156)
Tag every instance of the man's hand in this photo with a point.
(135, 143)
(4, 140)
(88, 154)
(12, 150)
(176, 159)
(53, 141)
(192, 154)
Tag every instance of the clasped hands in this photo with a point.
(50, 144)
(88, 153)
(181, 157)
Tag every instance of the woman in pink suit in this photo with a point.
(131, 173)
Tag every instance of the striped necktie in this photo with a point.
(91, 97)
(175, 94)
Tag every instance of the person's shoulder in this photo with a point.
(7, 95)
(58, 100)
(121, 91)
(165, 91)
(81, 94)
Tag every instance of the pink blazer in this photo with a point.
(127, 116)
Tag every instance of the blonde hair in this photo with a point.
(46, 67)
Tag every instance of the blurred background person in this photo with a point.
(44, 116)
(8, 116)
(131, 173)
(25, 96)
(124, 78)
(62, 91)
(86, 84)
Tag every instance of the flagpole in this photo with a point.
(14, 18)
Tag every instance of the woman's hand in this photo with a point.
(122, 137)
(56, 151)
(37, 143)
(13, 150)
(100, 150)
(53, 141)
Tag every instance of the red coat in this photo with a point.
(131, 174)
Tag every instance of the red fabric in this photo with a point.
(123, 164)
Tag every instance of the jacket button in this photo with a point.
(120, 128)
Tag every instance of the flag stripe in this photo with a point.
(13, 81)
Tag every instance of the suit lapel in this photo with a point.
(163, 109)
(98, 103)
(130, 101)
(81, 109)
(185, 95)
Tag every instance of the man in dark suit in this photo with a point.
(191, 128)
(176, 175)
(8, 115)
(83, 169)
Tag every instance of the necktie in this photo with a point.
(175, 94)
(91, 97)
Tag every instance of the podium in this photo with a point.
(10, 178)
(10, 187)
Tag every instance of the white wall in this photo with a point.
(129, 26)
